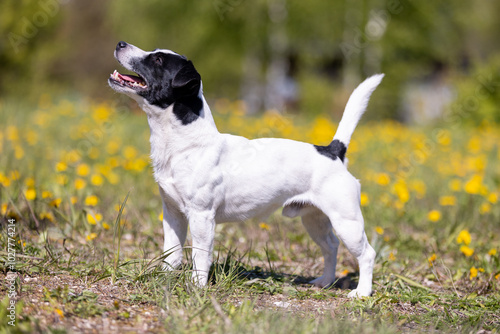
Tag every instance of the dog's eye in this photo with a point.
(158, 60)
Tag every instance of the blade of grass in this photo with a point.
(117, 236)
(411, 282)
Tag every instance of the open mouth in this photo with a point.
(131, 81)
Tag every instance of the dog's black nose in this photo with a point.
(121, 45)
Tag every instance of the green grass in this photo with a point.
(89, 264)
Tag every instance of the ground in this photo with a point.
(82, 215)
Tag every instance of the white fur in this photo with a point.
(356, 107)
(206, 178)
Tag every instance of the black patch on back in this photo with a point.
(188, 110)
(335, 149)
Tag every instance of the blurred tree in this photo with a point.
(26, 28)
(53, 45)
(257, 50)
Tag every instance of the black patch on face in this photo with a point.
(171, 79)
(335, 149)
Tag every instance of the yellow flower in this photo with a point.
(419, 187)
(113, 178)
(29, 182)
(402, 192)
(139, 164)
(455, 185)
(61, 167)
(434, 216)
(106, 226)
(447, 200)
(113, 162)
(92, 200)
(30, 194)
(485, 208)
(129, 152)
(15, 175)
(464, 237)
(264, 226)
(321, 131)
(364, 200)
(18, 152)
(72, 156)
(113, 146)
(474, 144)
(12, 134)
(73, 199)
(101, 113)
(493, 198)
(83, 170)
(392, 257)
(91, 236)
(47, 194)
(492, 252)
(474, 184)
(383, 179)
(96, 180)
(431, 259)
(59, 312)
(80, 184)
(61, 179)
(444, 137)
(399, 205)
(94, 219)
(4, 180)
(379, 230)
(467, 251)
(4, 208)
(47, 215)
(473, 272)
(56, 202)
(94, 153)
(160, 216)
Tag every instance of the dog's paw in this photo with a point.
(322, 281)
(199, 279)
(358, 293)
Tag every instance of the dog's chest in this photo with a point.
(190, 181)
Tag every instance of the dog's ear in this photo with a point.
(186, 81)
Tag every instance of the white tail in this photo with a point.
(355, 108)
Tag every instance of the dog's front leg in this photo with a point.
(202, 226)
(175, 230)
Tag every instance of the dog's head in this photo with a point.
(163, 77)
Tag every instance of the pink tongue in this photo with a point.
(128, 78)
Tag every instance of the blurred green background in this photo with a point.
(440, 57)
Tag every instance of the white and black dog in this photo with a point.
(206, 177)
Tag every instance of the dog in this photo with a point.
(206, 177)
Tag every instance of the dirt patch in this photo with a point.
(63, 301)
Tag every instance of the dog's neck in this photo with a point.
(170, 136)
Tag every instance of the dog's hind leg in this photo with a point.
(343, 209)
(354, 238)
(319, 228)
(350, 231)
